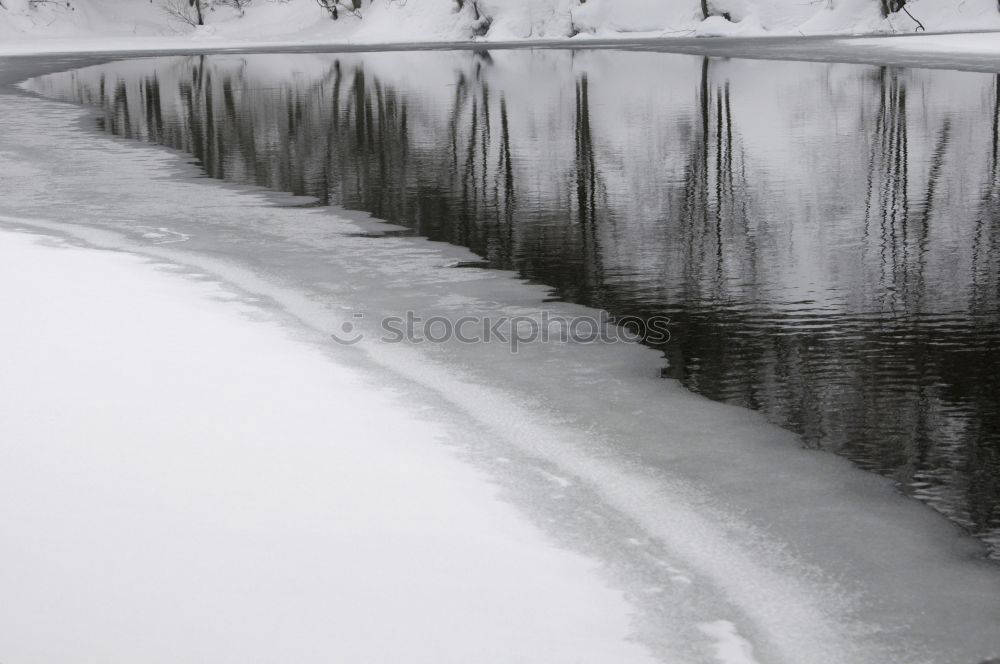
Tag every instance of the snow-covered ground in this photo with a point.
(27, 26)
(184, 480)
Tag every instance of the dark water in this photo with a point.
(825, 238)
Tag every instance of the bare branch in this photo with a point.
(180, 10)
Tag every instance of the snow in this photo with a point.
(184, 480)
(102, 25)
(608, 17)
(716, 26)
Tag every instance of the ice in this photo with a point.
(985, 45)
(163, 235)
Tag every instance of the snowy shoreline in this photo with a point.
(180, 464)
(76, 25)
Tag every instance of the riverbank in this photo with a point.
(92, 26)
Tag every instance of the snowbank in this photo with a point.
(184, 481)
(608, 17)
(96, 25)
(862, 16)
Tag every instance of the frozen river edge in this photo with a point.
(177, 464)
(719, 551)
(969, 51)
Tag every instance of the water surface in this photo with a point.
(825, 238)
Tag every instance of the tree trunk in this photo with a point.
(704, 8)
(197, 8)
